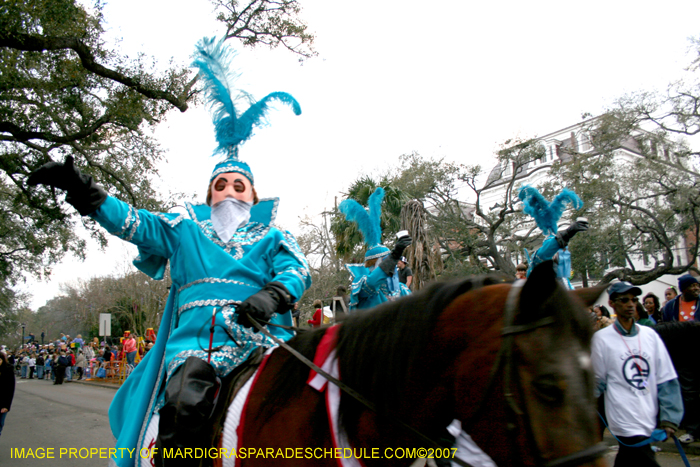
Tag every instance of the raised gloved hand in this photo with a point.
(401, 244)
(81, 190)
(271, 299)
(388, 264)
(564, 236)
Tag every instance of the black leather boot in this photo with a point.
(190, 397)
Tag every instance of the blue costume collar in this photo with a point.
(265, 212)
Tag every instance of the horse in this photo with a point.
(511, 361)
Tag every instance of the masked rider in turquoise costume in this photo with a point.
(377, 280)
(547, 215)
(227, 262)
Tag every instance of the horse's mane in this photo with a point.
(376, 348)
(681, 342)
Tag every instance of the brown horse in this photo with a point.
(511, 363)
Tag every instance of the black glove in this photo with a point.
(273, 298)
(564, 236)
(82, 191)
(388, 264)
(400, 246)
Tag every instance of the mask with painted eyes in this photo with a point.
(228, 215)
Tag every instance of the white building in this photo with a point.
(575, 139)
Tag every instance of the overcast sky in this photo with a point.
(448, 79)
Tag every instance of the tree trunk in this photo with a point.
(423, 255)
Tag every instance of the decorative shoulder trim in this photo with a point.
(265, 212)
(357, 270)
(169, 219)
(198, 212)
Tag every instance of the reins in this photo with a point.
(348, 390)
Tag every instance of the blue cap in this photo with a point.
(232, 165)
(618, 288)
(685, 280)
(376, 251)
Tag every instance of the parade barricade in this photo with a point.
(107, 372)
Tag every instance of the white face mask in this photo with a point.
(228, 215)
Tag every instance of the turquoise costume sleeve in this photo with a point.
(546, 252)
(375, 279)
(154, 234)
(290, 267)
(140, 227)
(670, 402)
(291, 270)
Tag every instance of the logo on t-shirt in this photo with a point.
(636, 371)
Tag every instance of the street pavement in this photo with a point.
(52, 419)
(45, 416)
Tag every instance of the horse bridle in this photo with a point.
(504, 361)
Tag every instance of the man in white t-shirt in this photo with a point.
(634, 371)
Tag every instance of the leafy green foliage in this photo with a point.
(13, 312)
(645, 205)
(435, 183)
(349, 242)
(64, 93)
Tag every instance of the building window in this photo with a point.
(508, 169)
(584, 142)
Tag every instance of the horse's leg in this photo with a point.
(294, 435)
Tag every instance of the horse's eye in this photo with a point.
(550, 389)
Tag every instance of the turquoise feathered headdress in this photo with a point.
(213, 58)
(368, 223)
(547, 214)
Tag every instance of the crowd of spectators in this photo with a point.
(69, 359)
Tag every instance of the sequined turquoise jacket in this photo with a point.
(207, 275)
(372, 287)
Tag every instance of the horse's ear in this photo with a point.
(590, 295)
(539, 286)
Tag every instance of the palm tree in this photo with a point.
(349, 242)
(424, 254)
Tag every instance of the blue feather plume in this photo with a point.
(256, 113)
(547, 214)
(369, 224)
(213, 58)
(375, 215)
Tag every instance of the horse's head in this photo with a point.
(527, 379)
